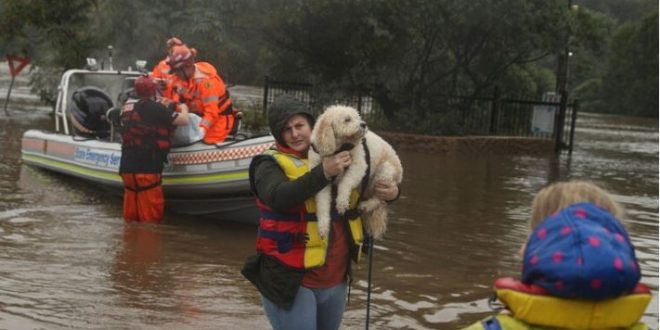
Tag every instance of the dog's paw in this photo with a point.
(342, 206)
(376, 232)
(376, 222)
(324, 231)
(369, 205)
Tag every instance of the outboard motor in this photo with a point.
(88, 112)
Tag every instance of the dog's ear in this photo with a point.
(324, 137)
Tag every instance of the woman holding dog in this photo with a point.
(303, 279)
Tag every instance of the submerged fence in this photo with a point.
(553, 117)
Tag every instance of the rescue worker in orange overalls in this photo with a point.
(146, 128)
(161, 72)
(200, 87)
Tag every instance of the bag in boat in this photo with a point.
(189, 134)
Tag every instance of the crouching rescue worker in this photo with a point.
(161, 71)
(146, 129)
(199, 86)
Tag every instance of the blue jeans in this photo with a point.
(313, 309)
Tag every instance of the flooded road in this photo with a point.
(67, 260)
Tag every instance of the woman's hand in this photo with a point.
(386, 190)
(336, 164)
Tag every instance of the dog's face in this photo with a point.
(335, 126)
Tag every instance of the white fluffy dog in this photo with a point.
(337, 128)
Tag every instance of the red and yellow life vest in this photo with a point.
(508, 322)
(532, 308)
(292, 237)
(138, 135)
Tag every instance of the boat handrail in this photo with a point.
(61, 105)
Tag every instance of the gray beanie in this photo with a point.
(281, 110)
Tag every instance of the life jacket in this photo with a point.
(136, 134)
(292, 237)
(508, 322)
(532, 308)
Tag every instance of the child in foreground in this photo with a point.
(579, 267)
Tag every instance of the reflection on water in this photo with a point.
(69, 261)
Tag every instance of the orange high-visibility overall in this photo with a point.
(143, 197)
(206, 95)
(161, 70)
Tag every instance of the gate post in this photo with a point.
(576, 106)
(266, 87)
(359, 102)
(495, 111)
(560, 117)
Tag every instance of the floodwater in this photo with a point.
(67, 260)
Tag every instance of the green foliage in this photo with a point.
(588, 93)
(63, 27)
(630, 84)
(43, 82)
(412, 50)
(526, 81)
(254, 119)
(56, 37)
(411, 53)
(621, 10)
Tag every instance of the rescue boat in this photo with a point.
(198, 179)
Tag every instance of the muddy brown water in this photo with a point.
(67, 260)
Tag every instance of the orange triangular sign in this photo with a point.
(16, 64)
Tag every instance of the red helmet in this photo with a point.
(174, 41)
(145, 87)
(179, 56)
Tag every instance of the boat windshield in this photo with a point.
(113, 83)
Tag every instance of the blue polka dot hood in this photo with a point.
(581, 252)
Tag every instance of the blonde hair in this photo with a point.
(562, 194)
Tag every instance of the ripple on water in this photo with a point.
(23, 220)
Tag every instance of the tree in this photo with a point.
(412, 51)
(623, 11)
(630, 84)
(631, 78)
(588, 44)
(56, 36)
